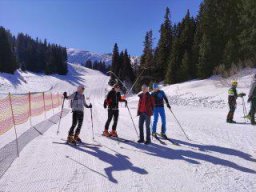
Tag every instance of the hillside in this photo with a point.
(219, 157)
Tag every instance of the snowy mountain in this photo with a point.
(81, 56)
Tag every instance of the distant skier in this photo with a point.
(252, 99)
(232, 97)
(159, 98)
(112, 103)
(77, 104)
(145, 111)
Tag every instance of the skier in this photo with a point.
(232, 97)
(252, 99)
(145, 111)
(159, 97)
(112, 102)
(77, 104)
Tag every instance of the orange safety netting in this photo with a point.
(6, 121)
(17, 109)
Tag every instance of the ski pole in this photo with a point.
(135, 82)
(244, 109)
(132, 120)
(180, 125)
(61, 115)
(92, 124)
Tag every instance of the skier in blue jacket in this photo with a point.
(159, 98)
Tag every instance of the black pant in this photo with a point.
(253, 110)
(78, 117)
(144, 118)
(232, 108)
(112, 113)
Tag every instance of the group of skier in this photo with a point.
(232, 97)
(149, 104)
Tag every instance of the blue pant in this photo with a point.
(159, 111)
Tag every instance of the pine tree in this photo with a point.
(115, 61)
(7, 58)
(164, 46)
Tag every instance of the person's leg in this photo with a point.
(231, 113)
(163, 118)
(148, 127)
(156, 111)
(74, 123)
(116, 114)
(141, 123)
(253, 110)
(110, 116)
(80, 119)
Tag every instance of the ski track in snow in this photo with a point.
(220, 158)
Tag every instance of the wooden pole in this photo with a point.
(13, 119)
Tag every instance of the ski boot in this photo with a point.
(163, 135)
(140, 141)
(71, 140)
(147, 142)
(77, 139)
(154, 135)
(113, 133)
(106, 133)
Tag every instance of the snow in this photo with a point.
(220, 157)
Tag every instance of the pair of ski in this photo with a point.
(118, 139)
(160, 139)
(77, 144)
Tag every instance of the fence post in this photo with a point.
(13, 120)
(30, 113)
(44, 106)
(52, 104)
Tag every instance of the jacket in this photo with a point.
(113, 99)
(252, 93)
(77, 102)
(159, 97)
(149, 104)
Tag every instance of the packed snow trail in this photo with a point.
(220, 157)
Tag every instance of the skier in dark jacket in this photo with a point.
(232, 97)
(159, 98)
(112, 103)
(77, 104)
(145, 111)
(252, 99)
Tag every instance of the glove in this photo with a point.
(249, 100)
(242, 94)
(90, 106)
(65, 95)
(105, 105)
(168, 105)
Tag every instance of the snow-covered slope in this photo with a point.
(81, 56)
(220, 157)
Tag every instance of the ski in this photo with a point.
(159, 140)
(81, 144)
(169, 139)
(118, 139)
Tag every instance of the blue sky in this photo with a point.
(93, 25)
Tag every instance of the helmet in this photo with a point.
(155, 86)
(234, 83)
(80, 87)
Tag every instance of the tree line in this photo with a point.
(28, 54)
(220, 38)
(97, 65)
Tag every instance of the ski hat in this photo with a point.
(234, 83)
(80, 87)
(155, 86)
(144, 86)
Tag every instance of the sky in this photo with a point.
(93, 25)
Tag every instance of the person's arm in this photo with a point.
(68, 97)
(166, 101)
(107, 100)
(253, 86)
(85, 104)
